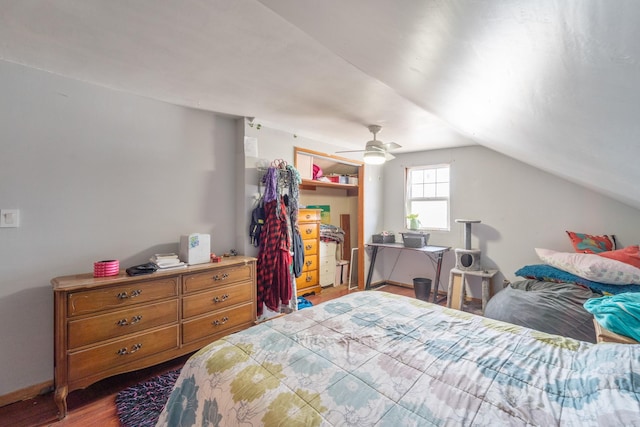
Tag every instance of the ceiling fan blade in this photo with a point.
(351, 151)
(391, 145)
(389, 156)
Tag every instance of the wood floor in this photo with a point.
(95, 405)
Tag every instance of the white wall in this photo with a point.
(97, 174)
(520, 207)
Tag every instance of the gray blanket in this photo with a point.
(550, 307)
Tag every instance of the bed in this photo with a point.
(376, 359)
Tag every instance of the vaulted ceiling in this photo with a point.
(553, 83)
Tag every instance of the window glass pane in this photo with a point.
(443, 174)
(417, 176)
(430, 190)
(442, 189)
(429, 175)
(417, 191)
(431, 213)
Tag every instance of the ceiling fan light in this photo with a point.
(374, 157)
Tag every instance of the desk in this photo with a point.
(457, 288)
(431, 251)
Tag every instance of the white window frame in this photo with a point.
(409, 199)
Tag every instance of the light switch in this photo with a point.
(9, 218)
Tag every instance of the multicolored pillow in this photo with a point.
(590, 244)
(592, 267)
(629, 255)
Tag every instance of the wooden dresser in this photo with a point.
(107, 326)
(309, 224)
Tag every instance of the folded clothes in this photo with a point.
(170, 263)
(618, 313)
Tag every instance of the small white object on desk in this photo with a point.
(458, 286)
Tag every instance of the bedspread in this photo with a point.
(376, 359)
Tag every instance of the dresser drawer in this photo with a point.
(118, 323)
(218, 277)
(310, 246)
(127, 350)
(216, 299)
(202, 327)
(308, 215)
(308, 231)
(307, 279)
(328, 249)
(86, 302)
(310, 262)
(327, 266)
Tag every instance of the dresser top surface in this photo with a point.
(86, 280)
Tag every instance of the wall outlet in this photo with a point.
(9, 218)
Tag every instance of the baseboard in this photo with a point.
(26, 393)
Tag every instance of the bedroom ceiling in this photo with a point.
(555, 84)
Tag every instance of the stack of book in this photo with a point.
(167, 261)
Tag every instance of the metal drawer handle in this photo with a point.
(134, 320)
(124, 295)
(308, 230)
(218, 277)
(308, 247)
(308, 263)
(123, 351)
(224, 320)
(223, 299)
(309, 278)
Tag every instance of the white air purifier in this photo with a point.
(195, 248)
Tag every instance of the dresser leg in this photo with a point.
(60, 397)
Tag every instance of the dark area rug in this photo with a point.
(141, 404)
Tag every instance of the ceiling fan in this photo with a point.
(376, 152)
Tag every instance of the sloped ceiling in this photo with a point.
(555, 84)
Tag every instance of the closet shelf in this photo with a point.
(310, 184)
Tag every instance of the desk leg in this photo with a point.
(436, 282)
(374, 252)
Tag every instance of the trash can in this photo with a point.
(422, 288)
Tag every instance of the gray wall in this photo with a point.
(97, 174)
(520, 207)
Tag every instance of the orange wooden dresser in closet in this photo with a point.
(309, 224)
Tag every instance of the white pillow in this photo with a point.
(592, 267)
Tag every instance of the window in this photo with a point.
(427, 195)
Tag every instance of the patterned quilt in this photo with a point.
(376, 359)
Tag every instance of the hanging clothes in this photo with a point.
(274, 259)
(279, 257)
